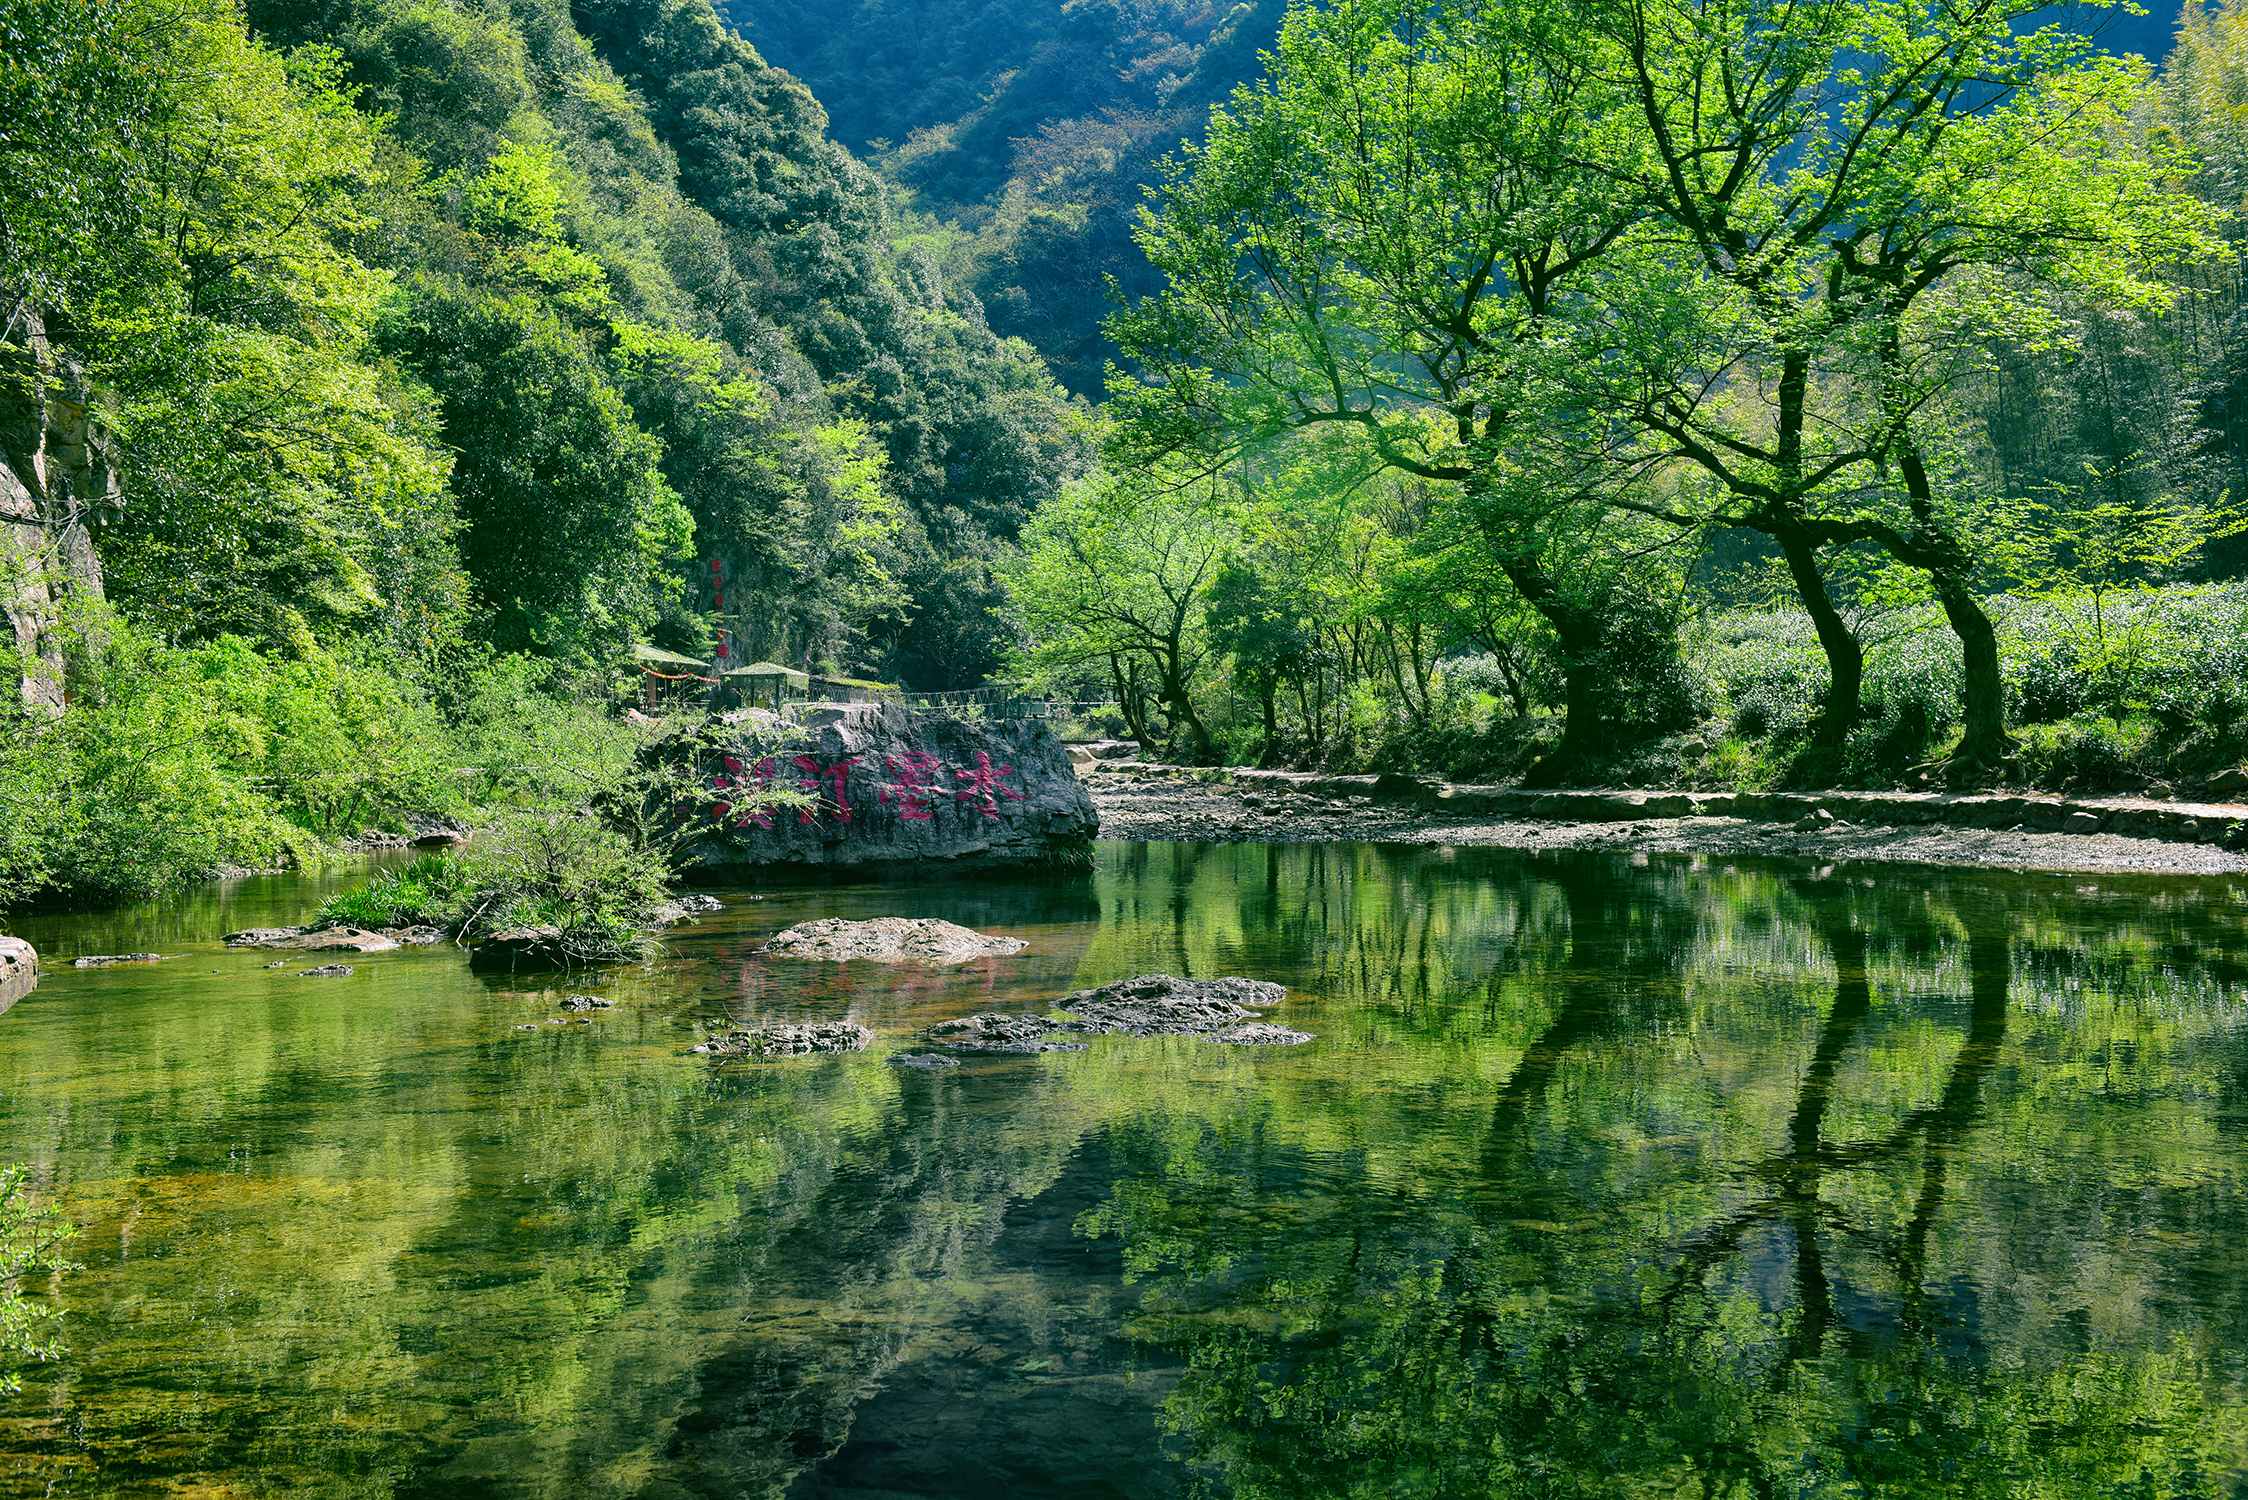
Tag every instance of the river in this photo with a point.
(1605, 1175)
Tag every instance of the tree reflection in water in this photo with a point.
(1780, 1307)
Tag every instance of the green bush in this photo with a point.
(555, 867)
(172, 763)
(30, 1236)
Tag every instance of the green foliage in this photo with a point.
(31, 1234)
(560, 867)
(566, 514)
(429, 891)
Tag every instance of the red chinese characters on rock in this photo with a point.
(737, 784)
(815, 776)
(913, 777)
(981, 785)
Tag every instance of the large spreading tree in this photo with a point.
(1616, 270)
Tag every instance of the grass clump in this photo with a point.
(564, 869)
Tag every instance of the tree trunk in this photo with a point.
(1583, 731)
(1268, 699)
(1182, 710)
(1982, 691)
(1846, 659)
(1128, 703)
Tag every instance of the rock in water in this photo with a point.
(519, 948)
(889, 940)
(307, 940)
(1162, 1005)
(326, 971)
(1259, 1034)
(789, 1041)
(19, 970)
(104, 960)
(583, 1003)
(994, 1032)
(928, 1060)
(895, 789)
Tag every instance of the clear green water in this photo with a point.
(1602, 1178)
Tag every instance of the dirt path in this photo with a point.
(1165, 807)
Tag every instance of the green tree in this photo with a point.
(1851, 198)
(568, 520)
(1403, 278)
(1118, 571)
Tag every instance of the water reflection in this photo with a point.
(1602, 1178)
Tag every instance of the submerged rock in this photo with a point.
(19, 970)
(1163, 1005)
(310, 940)
(1259, 1034)
(104, 960)
(789, 1041)
(889, 940)
(587, 1002)
(930, 1060)
(326, 971)
(682, 908)
(994, 1032)
(414, 936)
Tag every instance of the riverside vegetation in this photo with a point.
(440, 351)
(1504, 432)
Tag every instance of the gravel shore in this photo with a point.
(1178, 808)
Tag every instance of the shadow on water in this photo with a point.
(1604, 1176)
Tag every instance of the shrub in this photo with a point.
(30, 1236)
(2088, 754)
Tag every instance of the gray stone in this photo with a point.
(260, 937)
(895, 788)
(58, 480)
(520, 948)
(587, 1002)
(789, 1041)
(326, 971)
(994, 1032)
(1163, 1005)
(414, 936)
(1259, 1034)
(1817, 818)
(2081, 822)
(305, 940)
(19, 970)
(104, 960)
(889, 940)
(929, 1060)
(2230, 783)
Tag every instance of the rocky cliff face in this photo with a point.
(897, 790)
(56, 479)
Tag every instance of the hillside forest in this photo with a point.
(1428, 386)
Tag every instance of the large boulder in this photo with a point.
(896, 790)
(889, 940)
(19, 970)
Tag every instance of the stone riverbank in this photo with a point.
(2004, 830)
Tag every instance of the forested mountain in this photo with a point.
(603, 279)
(1027, 127)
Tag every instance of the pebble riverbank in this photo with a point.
(1997, 830)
